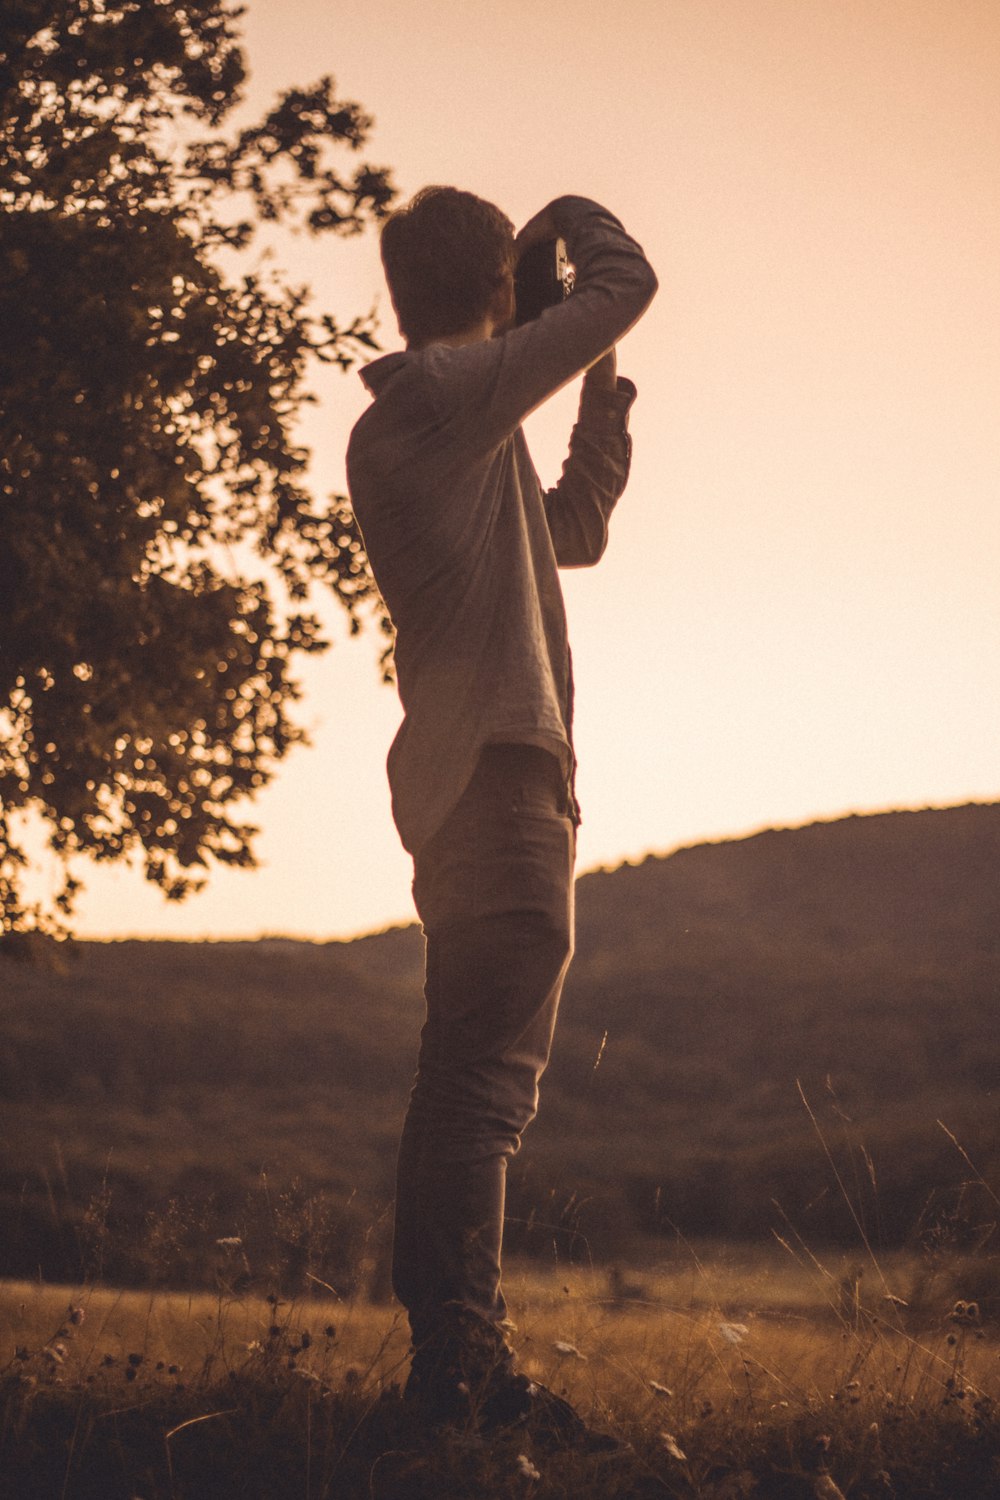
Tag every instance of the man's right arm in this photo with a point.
(498, 382)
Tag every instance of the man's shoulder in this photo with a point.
(416, 390)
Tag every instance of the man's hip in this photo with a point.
(507, 848)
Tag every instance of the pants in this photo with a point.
(494, 891)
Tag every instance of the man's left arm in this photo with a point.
(594, 475)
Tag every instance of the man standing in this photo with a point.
(465, 549)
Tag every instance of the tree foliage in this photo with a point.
(158, 542)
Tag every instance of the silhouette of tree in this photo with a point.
(157, 540)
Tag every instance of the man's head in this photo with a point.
(449, 261)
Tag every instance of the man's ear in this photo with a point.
(395, 309)
(502, 304)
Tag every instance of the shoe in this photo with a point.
(463, 1377)
(514, 1402)
(452, 1370)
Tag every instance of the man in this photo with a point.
(465, 549)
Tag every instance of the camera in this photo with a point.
(543, 278)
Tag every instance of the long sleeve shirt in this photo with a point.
(462, 541)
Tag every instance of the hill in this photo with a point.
(154, 1096)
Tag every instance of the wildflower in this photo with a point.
(670, 1443)
(564, 1348)
(733, 1333)
(526, 1468)
(660, 1390)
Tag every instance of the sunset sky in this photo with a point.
(797, 616)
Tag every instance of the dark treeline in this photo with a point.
(744, 1021)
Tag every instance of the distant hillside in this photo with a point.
(859, 957)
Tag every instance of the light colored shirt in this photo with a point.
(464, 545)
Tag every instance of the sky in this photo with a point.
(797, 616)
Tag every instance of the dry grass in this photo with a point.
(731, 1377)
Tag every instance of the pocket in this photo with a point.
(507, 847)
(524, 863)
(535, 799)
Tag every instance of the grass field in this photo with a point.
(731, 1376)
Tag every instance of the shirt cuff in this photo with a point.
(598, 404)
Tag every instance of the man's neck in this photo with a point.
(477, 334)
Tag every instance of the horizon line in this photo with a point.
(402, 923)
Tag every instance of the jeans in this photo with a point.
(494, 890)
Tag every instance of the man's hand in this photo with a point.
(603, 375)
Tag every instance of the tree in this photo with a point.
(157, 542)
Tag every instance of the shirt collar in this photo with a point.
(379, 372)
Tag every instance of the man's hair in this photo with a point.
(445, 254)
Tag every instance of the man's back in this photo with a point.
(464, 545)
